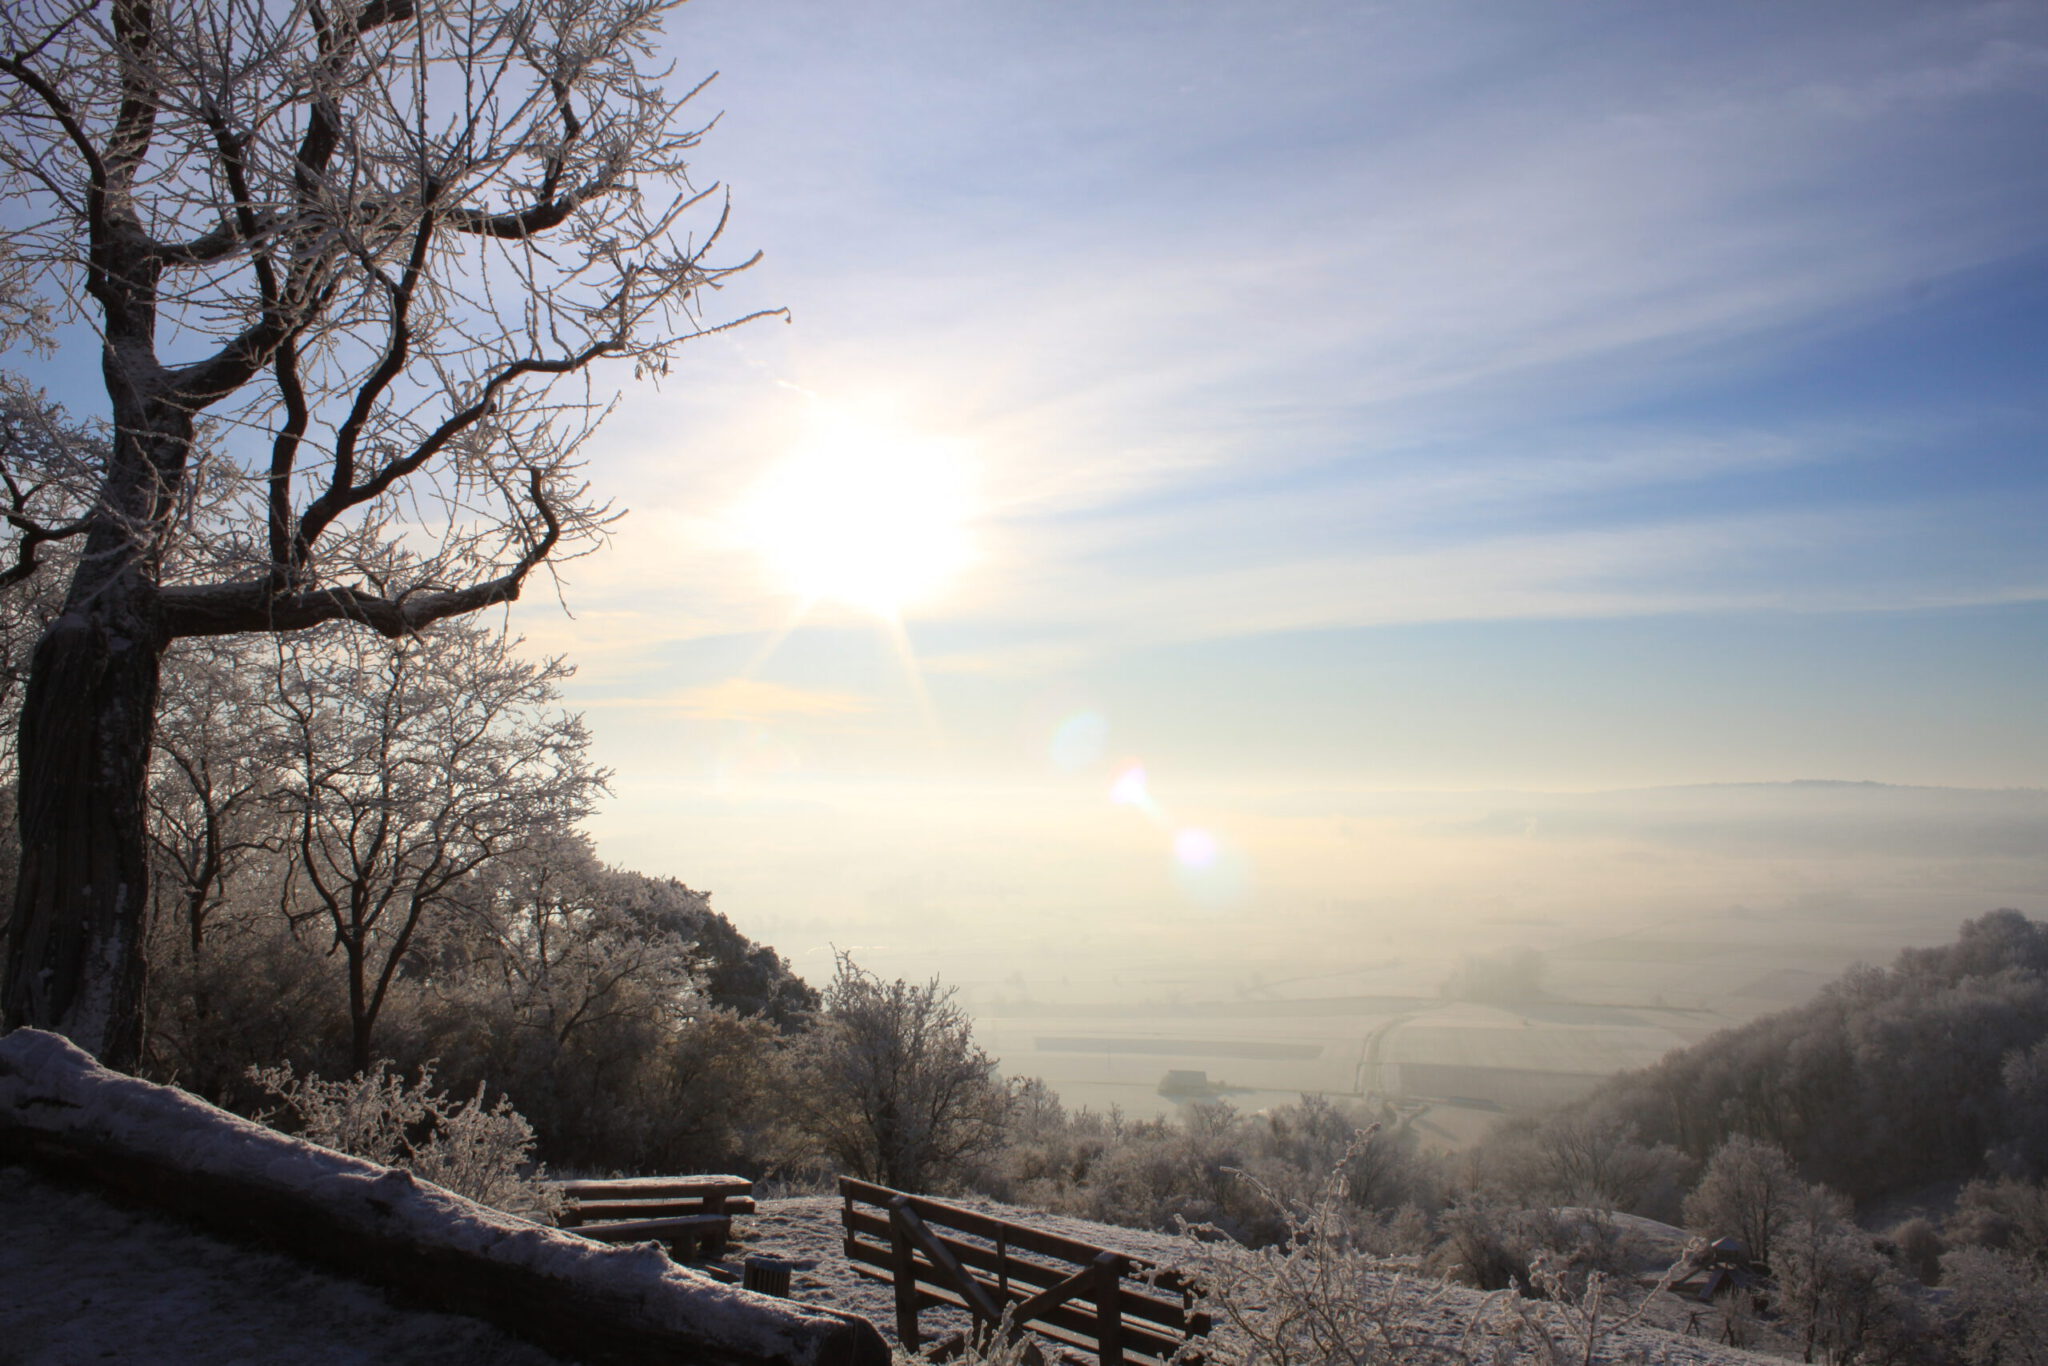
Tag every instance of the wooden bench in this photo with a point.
(692, 1214)
(940, 1254)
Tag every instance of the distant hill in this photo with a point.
(1934, 1068)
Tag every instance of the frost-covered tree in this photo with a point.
(411, 769)
(351, 249)
(2002, 1301)
(890, 1083)
(213, 788)
(1842, 1299)
(561, 956)
(1750, 1191)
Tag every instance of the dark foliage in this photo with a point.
(1892, 1078)
(733, 971)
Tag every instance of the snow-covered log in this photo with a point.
(160, 1146)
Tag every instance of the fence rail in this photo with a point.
(935, 1253)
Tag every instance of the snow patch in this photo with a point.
(52, 1091)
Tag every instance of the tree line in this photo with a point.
(357, 281)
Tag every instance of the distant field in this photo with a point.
(1260, 1050)
(1379, 1028)
(1493, 1057)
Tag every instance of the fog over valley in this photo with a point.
(1500, 947)
(1267, 683)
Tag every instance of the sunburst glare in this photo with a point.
(866, 514)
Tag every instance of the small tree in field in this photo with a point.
(891, 1083)
(361, 241)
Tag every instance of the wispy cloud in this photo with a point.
(1316, 316)
(746, 699)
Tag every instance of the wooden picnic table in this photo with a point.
(692, 1214)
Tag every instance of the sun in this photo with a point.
(865, 514)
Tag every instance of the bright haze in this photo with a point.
(1268, 501)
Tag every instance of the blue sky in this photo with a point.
(1331, 397)
(1271, 323)
(1355, 417)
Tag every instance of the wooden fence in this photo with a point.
(936, 1253)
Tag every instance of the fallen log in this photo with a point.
(160, 1147)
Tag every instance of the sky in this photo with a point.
(1312, 475)
(1190, 412)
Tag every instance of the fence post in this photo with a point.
(767, 1276)
(904, 1264)
(1109, 1309)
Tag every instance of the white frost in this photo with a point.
(49, 1084)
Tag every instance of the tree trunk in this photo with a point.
(360, 1023)
(74, 961)
(74, 944)
(362, 1011)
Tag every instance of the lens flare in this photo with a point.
(1129, 789)
(1079, 741)
(1209, 872)
(1194, 849)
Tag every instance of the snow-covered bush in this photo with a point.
(1005, 1347)
(2002, 1300)
(479, 1151)
(1319, 1298)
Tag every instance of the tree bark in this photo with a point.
(74, 942)
(361, 1016)
(292, 145)
(74, 961)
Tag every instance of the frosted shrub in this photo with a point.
(467, 1147)
(480, 1152)
(1006, 1346)
(1318, 1299)
(2003, 1303)
(368, 1116)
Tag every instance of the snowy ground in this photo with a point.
(70, 1265)
(807, 1229)
(84, 1281)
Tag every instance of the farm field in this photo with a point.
(1417, 1049)
(1384, 1028)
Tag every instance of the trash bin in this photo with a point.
(768, 1275)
